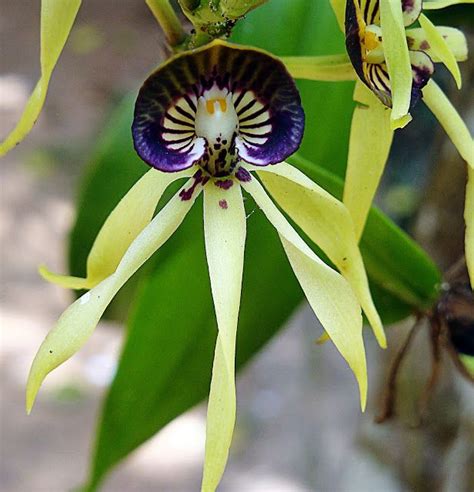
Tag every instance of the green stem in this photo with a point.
(168, 20)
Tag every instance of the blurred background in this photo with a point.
(299, 426)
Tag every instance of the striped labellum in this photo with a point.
(216, 106)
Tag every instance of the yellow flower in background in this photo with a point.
(224, 118)
(393, 69)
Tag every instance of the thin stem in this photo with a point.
(168, 20)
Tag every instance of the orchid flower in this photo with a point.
(224, 118)
(57, 19)
(393, 67)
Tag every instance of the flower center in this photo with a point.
(373, 44)
(217, 122)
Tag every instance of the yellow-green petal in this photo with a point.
(328, 223)
(224, 231)
(369, 146)
(440, 47)
(454, 38)
(339, 9)
(57, 18)
(441, 4)
(134, 211)
(331, 68)
(450, 120)
(397, 59)
(469, 219)
(79, 320)
(328, 293)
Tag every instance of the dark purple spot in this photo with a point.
(224, 184)
(199, 178)
(243, 175)
(424, 45)
(223, 204)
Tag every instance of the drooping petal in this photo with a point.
(454, 39)
(262, 94)
(134, 211)
(441, 4)
(450, 120)
(369, 147)
(441, 48)
(469, 219)
(332, 68)
(225, 229)
(57, 18)
(329, 294)
(79, 320)
(327, 222)
(397, 59)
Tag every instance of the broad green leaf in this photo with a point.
(57, 19)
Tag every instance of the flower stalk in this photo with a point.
(168, 20)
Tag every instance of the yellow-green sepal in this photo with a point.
(441, 4)
(469, 219)
(57, 19)
(224, 232)
(440, 48)
(330, 68)
(328, 224)
(78, 322)
(327, 291)
(131, 215)
(369, 146)
(440, 105)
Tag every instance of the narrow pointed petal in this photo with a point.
(225, 230)
(450, 120)
(332, 68)
(79, 320)
(57, 18)
(398, 60)
(369, 146)
(441, 4)
(454, 38)
(440, 47)
(328, 223)
(134, 211)
(469, 219)
(339, 9)
(328, 293)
